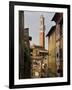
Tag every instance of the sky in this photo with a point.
(32, 21)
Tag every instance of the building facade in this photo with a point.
(39, 64)
(58, 18)
(27, 59)
(55, 46)
(21, 44)
(24, 49)
(52, 52)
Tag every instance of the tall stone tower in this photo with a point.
(42, 32)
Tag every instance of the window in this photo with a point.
(61, 53)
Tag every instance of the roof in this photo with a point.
(43, 51)
(26, 28)
(51, 30)
(57, 17)
(37, 57)
(36, 46)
